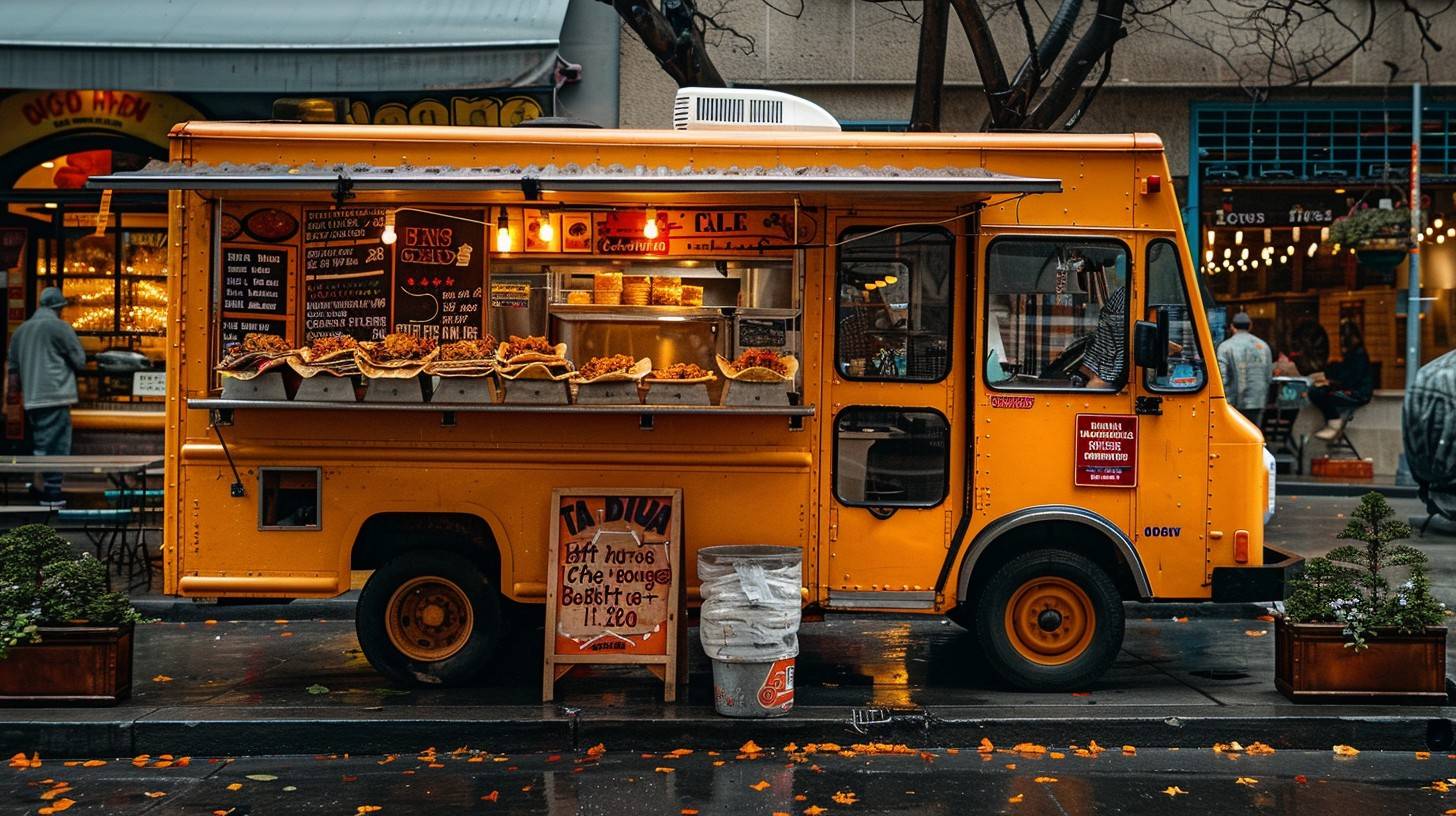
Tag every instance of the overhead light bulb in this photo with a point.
(1254, 263)
(1441, 239)
(1339, 191)
(1208, 255)
(891, 279)
(1227, 253)
(1296, 235)
(1244, 254)
(545, 231)
(49, 165)
(1284, 259)
(649, 226)
(1324, 233)
(1268, 235)
(1211, 236)
(503, 232)
(1238, 236)
(1451, 232)
(388, 236)
(1439, 222)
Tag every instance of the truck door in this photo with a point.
(894, 437)
(1172, 496)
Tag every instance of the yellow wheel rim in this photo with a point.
(1050, 621)
(429, 618)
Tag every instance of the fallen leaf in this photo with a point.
(1174, 790)
(57, 806)
(689, 812)
(262, 777)
(761, 785)
(1345, 751)
(209, 622)
(1057, 755)
(1423, 754)
(1094, 747)
(1266, 618)
(1016, 800)
(1246, 780)
(290, 788)
(952, 751)
(1029, 748)
(47, 796)
(235, 786)
(161, 678)
(1256, 632)
(780, 813)
(281, 621)
(1258, 749)
(596, 750)
(1438, 786)
(387, 759)
(317, 689)
(493, 796)
(286, 634)
(1011, 766)
(813, 810)
(665, 770)
(844, 798)
(1044, 780)
(750, 747)
(986, 746)
(799, 797)
(154, 794)
(1130, 750)
(365, 808)
(97, 763)
(1181, 620)
(1301, 779)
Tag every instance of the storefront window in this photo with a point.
(1168, 295)
(894, 304)
(1056, 314)
(890, 457)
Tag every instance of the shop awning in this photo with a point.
(279, 46)
(534, 179)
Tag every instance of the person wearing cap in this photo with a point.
(1247, 366)
(46, 353)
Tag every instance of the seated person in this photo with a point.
(1348, 383)
(1105, 364)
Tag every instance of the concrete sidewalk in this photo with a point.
(302, 686)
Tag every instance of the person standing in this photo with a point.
(46, 353)
(1247, 366)
(1343, 385)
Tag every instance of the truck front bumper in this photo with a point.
(1267, 582)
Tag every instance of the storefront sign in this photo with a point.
(614, 582)
(701, 232)
(28, 116)
(473, 111)
(345, 274)
(439, 275)
(1275, 208)
(1106, 450)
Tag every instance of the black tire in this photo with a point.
(470, 646)
(1087, 655)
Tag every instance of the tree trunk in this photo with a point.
(930, 66)
(681, 54)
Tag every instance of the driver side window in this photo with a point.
(1056, 314)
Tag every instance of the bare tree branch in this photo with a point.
(672, 35)
(988, 60)
(1102, 33)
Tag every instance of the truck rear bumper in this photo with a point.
(1268, 582)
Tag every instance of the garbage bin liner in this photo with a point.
(751, 602)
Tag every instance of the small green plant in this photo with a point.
(1349, 586)
(1372, 222)
(43, 582)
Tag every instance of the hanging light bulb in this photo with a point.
(1207, 255)
(545, 231)
(1227, 253)
(889, 279)
(503, 232)
(1238, 236)
(1268, 235)
(1244, 254)
(649, 227)
(1324, 233)
(1289, 250)
(1284, 259)
(1336, 250)
(1313, 248)
(388, 236)
(1254, 263)
(1296, 235)
(1439, 222)
(1211, 236)
(1441, 239)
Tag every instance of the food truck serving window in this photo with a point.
(1167, 293)
(890, 457)
(1056, 314)
(894, 304)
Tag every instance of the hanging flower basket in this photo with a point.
(1380, 238)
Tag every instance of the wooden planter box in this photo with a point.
(70, 664)
(1311, 664)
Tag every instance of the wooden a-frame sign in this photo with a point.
(614, 583)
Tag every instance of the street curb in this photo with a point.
(175, 610)
(205, 731)
(1296, 487)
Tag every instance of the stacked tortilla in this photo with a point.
(332, 355)
(759, 365)
(526, 358)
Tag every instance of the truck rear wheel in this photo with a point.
(1050, 620)
(428, 617)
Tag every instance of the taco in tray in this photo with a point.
(256, 354)
(681, 373)
(397, 355)
(613, 368)
(330, 354)
(537, 371)
(464, 358)
(521, 350)
(759, 365)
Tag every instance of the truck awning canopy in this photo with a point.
(279, 46)
(534, 179)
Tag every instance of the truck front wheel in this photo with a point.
(428, 617)
(1050, 620)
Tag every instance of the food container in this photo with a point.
(607, 282)
(267, 385)
(692, 295)
(757, 385)
(666, 290)
(611, 297)
(475, 390)
(579, 297)
(330, 378)
(636, 290)
(395, 389)
(669, 391)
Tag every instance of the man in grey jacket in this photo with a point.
(1247, 366)
(46, 353)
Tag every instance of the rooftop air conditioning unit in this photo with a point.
(738, 108)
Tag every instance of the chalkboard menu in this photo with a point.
(439, 275)
(255, 279)
(345, 273)
(234, 328)
(614, 582)
(762, 332)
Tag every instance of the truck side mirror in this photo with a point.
(1150, 343)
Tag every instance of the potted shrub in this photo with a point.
(1348, 634)
(63, 636)
(1380, 237)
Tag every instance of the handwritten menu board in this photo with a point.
(345, 273)
(260, 245)
(614, 582)
(439, 275)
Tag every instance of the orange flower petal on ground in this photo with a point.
(1423, 754)
(161, 678)
(57, 806)
(1016, 800)
(689, 812)
(1130, 750)
(751, 747)
(844, 798)
(1246, 780)
(1174, 790)
(1345, 751)
(596, 750)
(1029, 748)
(235, 786)
(813, 810)
(1258, 749)
(1044, 780)
(761, 785)
(665, 770)
(97, 763)
(368, 809)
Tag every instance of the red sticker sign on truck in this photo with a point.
(1106, 450)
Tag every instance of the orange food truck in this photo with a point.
(989, 396)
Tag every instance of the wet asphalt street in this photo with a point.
(936, 781)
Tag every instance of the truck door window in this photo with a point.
(1167, 292)
(1056, 314)
(890, 457)
(894, 304)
